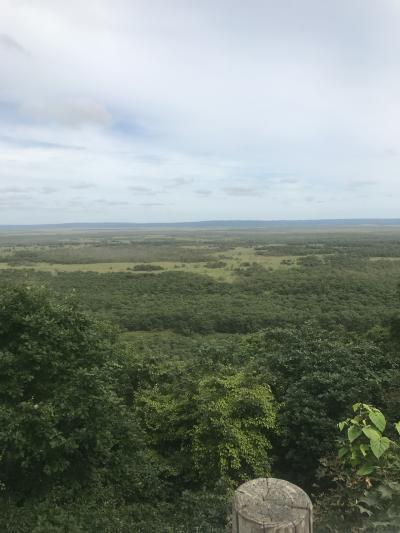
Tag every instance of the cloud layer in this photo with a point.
(134, 110)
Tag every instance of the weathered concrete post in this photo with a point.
(271, 506)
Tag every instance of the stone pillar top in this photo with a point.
(272, 503)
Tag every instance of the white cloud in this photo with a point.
(10, 44)
(202, 104)
(73, 113)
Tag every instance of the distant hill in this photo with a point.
(206, 224)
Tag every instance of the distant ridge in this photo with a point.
(205, 224)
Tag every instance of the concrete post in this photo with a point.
(271, 506)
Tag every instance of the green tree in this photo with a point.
(62, 422)
(212, 428)
(235, 418)
(314, 375)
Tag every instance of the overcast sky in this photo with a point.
(173, 110)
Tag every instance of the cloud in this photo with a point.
(142, 190)
(389, 152)
(8, 43)
(33, 143)
(15, 190)
(76, 201)
(361, 184)
(112, 203)
(82, 185)
(242, 191)
(153, 159)
(200, 100)
(289, 180)
(49, 190)
(203, 192)
(152, 204)
(177, 182)
(19, 201)
(72, 113)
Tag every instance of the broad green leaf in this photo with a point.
(378, 420)
(371, 433)
(342, 452)
(341, 425)
(356, 406)
(353, 433)
(380, 446)
(397, 426)
(364, 449)
(365, 470)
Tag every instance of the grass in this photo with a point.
(233, 259)
(73, 267)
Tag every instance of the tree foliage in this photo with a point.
(365, 495)
(314, 375)
(212, 429)
(62, 423)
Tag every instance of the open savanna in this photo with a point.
(219, 259)
(211, 282)
(221, 255)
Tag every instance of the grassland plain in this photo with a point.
(157, 280)
(228, 263)
(190, 250)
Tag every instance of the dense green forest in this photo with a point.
(145, 375)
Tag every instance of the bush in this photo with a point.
(215, 264)
(146, 267)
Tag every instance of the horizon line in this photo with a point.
(208, 222)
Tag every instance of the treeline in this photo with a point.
(103, 252)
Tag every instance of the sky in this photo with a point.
(184, 110)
